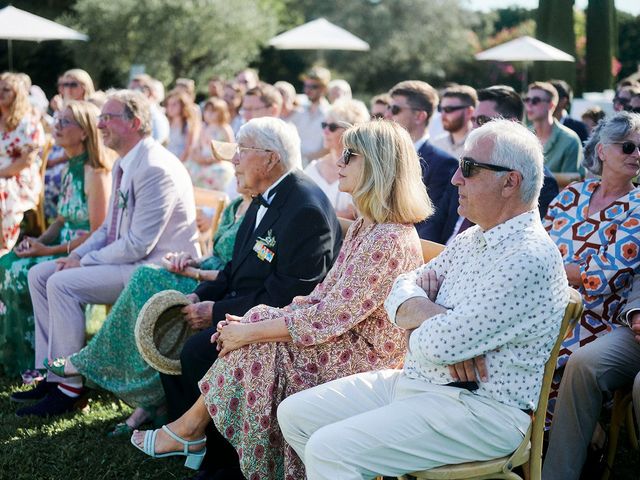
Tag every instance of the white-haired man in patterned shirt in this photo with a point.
(492, 302)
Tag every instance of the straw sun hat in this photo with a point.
(161, 331)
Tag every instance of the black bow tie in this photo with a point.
(259, 200)
(265, 202)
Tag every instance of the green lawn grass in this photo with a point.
(74, 446)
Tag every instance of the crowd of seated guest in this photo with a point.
(282, 306)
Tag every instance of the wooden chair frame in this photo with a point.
(529, 452)
(212, 199)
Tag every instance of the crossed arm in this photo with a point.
(417, 310)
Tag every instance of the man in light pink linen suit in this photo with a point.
(151, 213)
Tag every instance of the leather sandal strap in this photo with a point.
(185, 443)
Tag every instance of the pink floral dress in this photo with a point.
(21, 192)
(341, 328)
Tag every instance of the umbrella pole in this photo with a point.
(10, 54)
(525, 77)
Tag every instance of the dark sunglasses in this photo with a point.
(68, 84)
(467, 164)
(331, 126)
(311, 86)
(450, 109)
(347, 154)
(396, 109)
(621, 101)
(628, 147)
(481, 119)
(378, 116)
(629, 108)
(534, 100)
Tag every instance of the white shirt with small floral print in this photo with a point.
(505, 290)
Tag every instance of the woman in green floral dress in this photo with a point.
(82, 207)
(131, 378)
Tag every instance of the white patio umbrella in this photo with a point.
(318, 34)
(16, 24)
(525, 49)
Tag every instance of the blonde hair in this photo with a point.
(86, 115)
(20, 107)
(391, 188)
(220, 107)
(348, 111)
(84, 79)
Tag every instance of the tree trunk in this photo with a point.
(601, 31)
(555, 26)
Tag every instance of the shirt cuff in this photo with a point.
(626, 318)
(397, 297)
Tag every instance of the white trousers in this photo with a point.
(383, 423)
(58, 304)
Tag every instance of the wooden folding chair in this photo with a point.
(216, 200)
(529, 452)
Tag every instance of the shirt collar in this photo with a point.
(126, 161)
(274, 185)
(421, 141)
(514, 225)
(555, 132)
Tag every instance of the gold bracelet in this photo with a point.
(198, 275)
(68, 247)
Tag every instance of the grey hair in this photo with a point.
(348, 112)
(610, 129)
(136, 105)
(341, 85)
(274, 134)
(517, 148)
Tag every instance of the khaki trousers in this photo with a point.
(58, 304)
(383, 423)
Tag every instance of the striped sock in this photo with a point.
(70, 389)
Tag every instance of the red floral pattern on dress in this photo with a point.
(341, 328)
(20, 192)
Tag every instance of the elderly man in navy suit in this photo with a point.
(413, 103)
(285, 245)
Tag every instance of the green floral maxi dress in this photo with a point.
(111, 359)
(16, 312)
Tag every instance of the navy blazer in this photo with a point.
(577, 126)
(438, 167)
(306, 238)
(443, 222)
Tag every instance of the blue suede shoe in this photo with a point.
(55, 403)
(36, 393)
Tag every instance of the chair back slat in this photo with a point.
(205, 198)
(571, 316)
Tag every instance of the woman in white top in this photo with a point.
(324, 171)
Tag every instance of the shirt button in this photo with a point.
(233, 294)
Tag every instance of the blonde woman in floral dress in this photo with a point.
(82, 207)
(337, 330)
(21, 138)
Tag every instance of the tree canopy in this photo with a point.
(171, 38)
